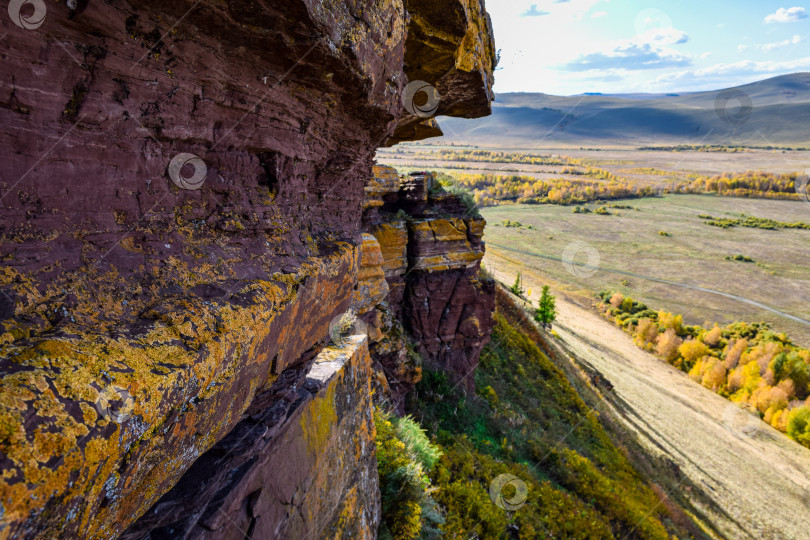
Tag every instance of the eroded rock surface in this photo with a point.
(300, 465)
(431, 247)
(143, 324)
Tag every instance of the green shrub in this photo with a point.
(408, 510)
(417, 443)
(740, 258)
(799, 425)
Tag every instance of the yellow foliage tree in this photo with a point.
(668, 320)
(714, 377)
(712, 337)
(646, 332)
(734, 351)
(691, 351)
(667, 345)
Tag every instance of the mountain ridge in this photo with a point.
(770, 112)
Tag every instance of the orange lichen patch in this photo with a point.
(448, 261)
(442, 244)
(393, 239)
(448, 230)
(371, 285)
(475, 226)
(129, 244)
(349, 515)
(384, 181)
(370, 254)
(341, 478)
(190, 372)
(318, 419)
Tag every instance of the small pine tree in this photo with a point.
(517, 287)
(546, 311)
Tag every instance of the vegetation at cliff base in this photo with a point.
(527, 421)
(745, 362)
(495, 189)
(404, 456)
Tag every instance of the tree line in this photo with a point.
(746, 362)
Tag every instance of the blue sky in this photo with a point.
(569, 47)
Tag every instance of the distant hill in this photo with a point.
(772, 112)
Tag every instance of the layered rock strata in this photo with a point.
(182, 195)
(431, 247)
(299, 465)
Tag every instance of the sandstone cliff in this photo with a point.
(183, 197)
(430, 250)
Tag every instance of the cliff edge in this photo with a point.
(182, 220)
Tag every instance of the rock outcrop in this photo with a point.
(182, 196)
(431, 246)
(299, 465)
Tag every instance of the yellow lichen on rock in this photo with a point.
(443, 244)
(190, 374)
(393, 239)
(371, 285)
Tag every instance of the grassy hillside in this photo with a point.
(777, 112)
(525, 420)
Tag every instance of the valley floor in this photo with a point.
(757, 483)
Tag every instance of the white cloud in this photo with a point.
(534, 12)
(795, 40)
(705, 55)
(742, 48)
(726, 74)
(650, 49)
(630, 57)
(661, 37)
(783, 15)
(599, 14)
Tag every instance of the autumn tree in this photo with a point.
(616, 300)
(667, 345)
(712, 337)
(798, 425)
(646, 332)
(668, 320)
(734, 351)
(690, 352)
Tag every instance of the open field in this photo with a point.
(654, 168)
(638, 261)
(751, 486)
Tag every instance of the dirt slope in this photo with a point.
(758, 481)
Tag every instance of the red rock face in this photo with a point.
(449, 314)
(431, 246)
(302, 459)
(197, 306)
